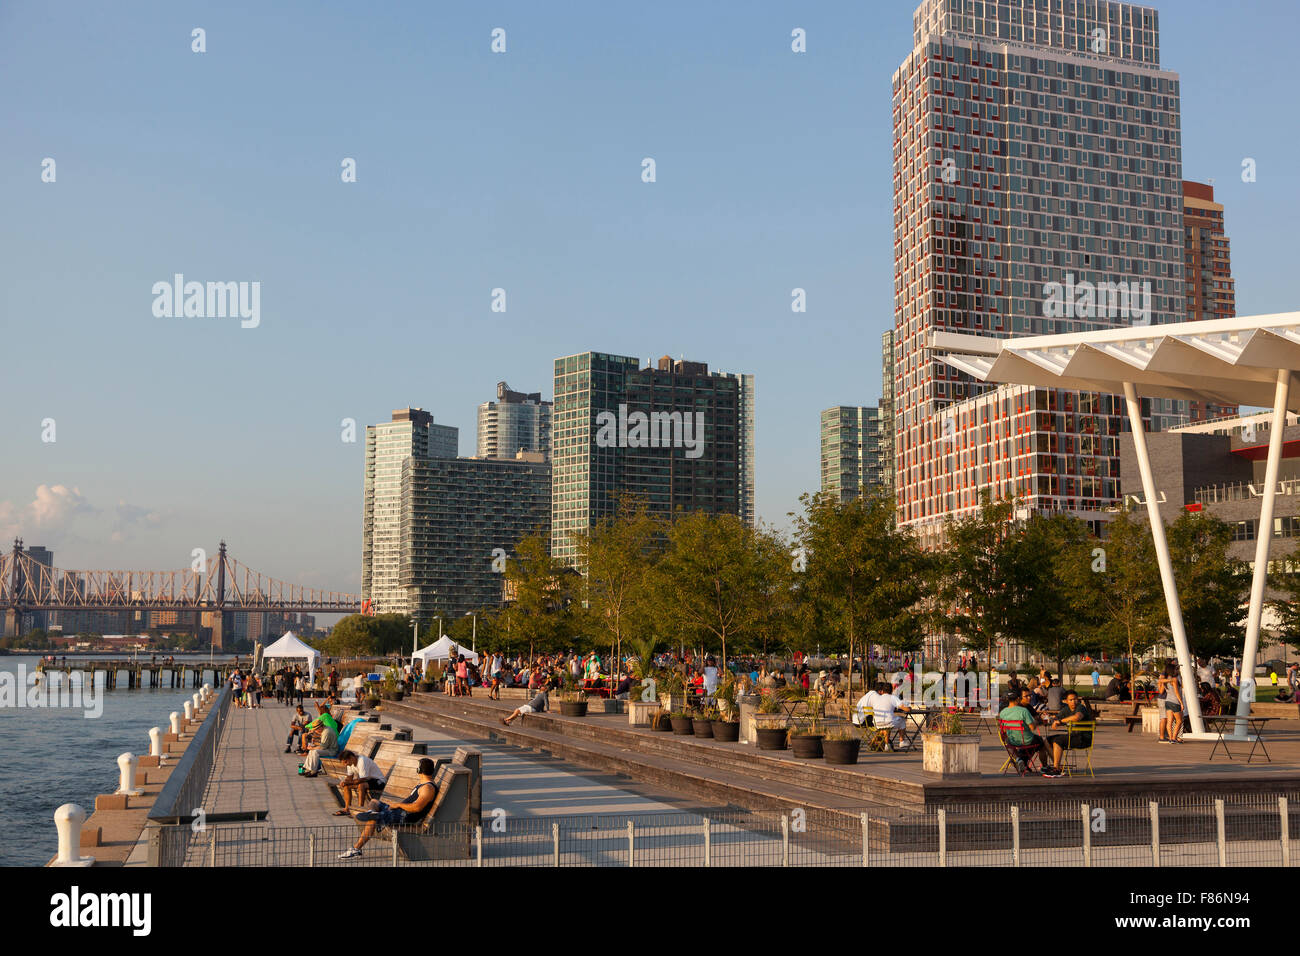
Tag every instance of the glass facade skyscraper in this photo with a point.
(711, 471)
(851, 451)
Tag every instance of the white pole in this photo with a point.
(1190, 697)
(1263, 539)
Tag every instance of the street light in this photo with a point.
(474, 639)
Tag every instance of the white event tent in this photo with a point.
(1247, 360)
(442, 649)
(289, 647)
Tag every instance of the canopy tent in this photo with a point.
(1246, 360)
(288, 646)
(442, 649)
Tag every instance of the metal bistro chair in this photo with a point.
(1085, 732)
(1023, 752)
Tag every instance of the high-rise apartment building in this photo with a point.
(515, 422)
(1207, 265)
(674, 434)
(411, 434)
(460, 518)
(851, 453)
(1037, 190)
(886, 427)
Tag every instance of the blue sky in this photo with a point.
(475, 171)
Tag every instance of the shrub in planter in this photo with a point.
(683, 725)
(842, 746)
(806, 737)
(772, 738)
(702, 724)
(661, 721)
(573, 703)
(727, 731)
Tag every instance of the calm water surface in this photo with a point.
(54, 756)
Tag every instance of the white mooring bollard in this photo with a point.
(68, 819)
(155, 744)
(127, 763)
(198, 702)
(176, 722)
(189, 710)
(207, 691)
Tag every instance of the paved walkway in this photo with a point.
(253, 773)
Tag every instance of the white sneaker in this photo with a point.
(350, 854)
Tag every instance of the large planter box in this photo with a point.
(612, 706)
(951, 755)
(641, 712)
(748, 706)
(1151, 720)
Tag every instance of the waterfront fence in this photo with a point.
(1194, 830)
(182, 794)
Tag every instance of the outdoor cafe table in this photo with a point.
(1219, 725)
(919, 718)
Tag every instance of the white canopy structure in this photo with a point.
(288, 647)
(442, 649)
(1248, 360)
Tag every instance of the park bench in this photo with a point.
(365, 739)
(446, 831)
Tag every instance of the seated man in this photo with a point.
(624, 687)
(411, 810)
(328, 747)
(1075, 710)
(296, 729)
(318, 726)
(865, 706)
(363, 774)
(1117, 689)
(1023, 735)
(535, 706)
(888, 710)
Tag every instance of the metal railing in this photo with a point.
(1196, 830)
(184, 789)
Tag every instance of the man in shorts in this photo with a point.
(413, 809)
(1075, 710)
(362, 775)
(535, 706)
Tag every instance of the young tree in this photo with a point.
(716, 575)
(1040, 614)
(980, 585)
(541, 612)
(1212, 585)
(1113, 589)
(864, 575)
(619, 553)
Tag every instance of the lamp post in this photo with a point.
(474, 639)
(415, 642)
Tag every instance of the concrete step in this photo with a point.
(698, 780)
(854, 785)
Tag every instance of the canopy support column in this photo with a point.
(1263, 539)
(1191, 700)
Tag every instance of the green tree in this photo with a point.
(363, 635)
(864, 576)
(619, 553)
(542, 611)
(1213, 586)
(980, 580)
(1040, 613)
(715, 577)
(1113, 589)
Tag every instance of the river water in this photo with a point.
(58, 755)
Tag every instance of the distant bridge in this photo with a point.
(222, 585)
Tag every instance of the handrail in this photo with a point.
(184, 788)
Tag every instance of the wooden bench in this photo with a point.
(446, 832)
(472, 760)
(364, 739)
